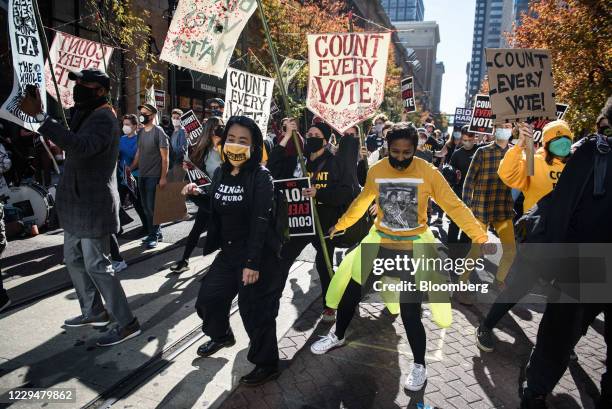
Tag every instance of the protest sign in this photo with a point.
(69, 54)
(408, 94)
(28, 62)
(129, 180)
(539, 123)
(193, 127)
(249, 95)
(169, 203)
(203, 34)
(346, 76)
(160, 98)
(197, 176)
(289, 68)
(520, 84)
(463, 116)
(481, 121)
(301, 220)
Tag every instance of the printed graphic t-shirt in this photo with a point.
(229, 201)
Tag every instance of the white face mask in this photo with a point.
(379, 127)
(422, 141)
(176, 122)
(127, 129)
(503, 134)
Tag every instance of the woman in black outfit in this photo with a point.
(248, 264)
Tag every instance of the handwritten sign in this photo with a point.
(68, 54)
(28, 62)
(463, 116)
(203, 33)
(346, 76)
(289, 68)
(540, 123)
(481, 121)
(248, 95)
(520, 84)
(301, 220)
(408, 94)
(193, 127)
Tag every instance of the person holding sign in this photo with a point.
(206, 155)
(248, 265)
(401, 184)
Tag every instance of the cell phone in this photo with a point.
(30, 90)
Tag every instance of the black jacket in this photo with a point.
(280, 164)
(259, 192)
(461, 160)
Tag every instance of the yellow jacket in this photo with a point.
(402, 198)
(513, 172)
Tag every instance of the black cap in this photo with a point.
(91, 75)
(217, 100)
(150, 107)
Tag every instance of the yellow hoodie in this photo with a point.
(402, 198)
(513, 172)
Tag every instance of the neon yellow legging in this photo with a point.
(351, 268)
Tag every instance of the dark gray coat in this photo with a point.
(87, 199)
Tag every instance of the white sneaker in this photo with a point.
(119, 266)
(416, 378)
(326, 343)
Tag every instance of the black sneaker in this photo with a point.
(4, 301)
(100, 320)
(210, 347)
(259, 376)
(117, 335)
(484, 339)
(180, 266)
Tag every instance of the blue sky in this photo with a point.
(456, 22)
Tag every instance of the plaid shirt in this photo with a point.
(483, 191)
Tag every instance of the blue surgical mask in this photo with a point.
(560, 147)
(503, 134)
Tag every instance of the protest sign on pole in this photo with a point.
(160, 98)
(28, 62)
(481, 121)
(346, 76)
(463, 116)
(539, 123)
(203, 34)
(289, 68)
(408, 94)
(301, 219)
(193, 127)
(69, 54)
(520, 84)
(249, 95)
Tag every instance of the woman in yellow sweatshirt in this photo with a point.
(401, 184)
(549, 162)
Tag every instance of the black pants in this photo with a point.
(410, 310)
(292, 250)
(134, 198)
(258, 303)
(199, 226)
(591, 311)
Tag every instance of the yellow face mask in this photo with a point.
(237, 154)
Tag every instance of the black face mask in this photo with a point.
(313, 145)
(83, 95)
(144, 119)
(400, 164)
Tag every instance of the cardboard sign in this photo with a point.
(203, 33)
(346, 76)
(69, 53)
(481, 121)
(28, 62)
(198, 176)
(463, 116)
(169, 203)
(520, 84)
(160, 98)
(408, 94)
(129, 180)
(539, 123)
(248, 95)
(289, 69)
(301, 219)
(193, 127)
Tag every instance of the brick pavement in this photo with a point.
(370, 370)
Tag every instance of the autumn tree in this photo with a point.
(579, 35)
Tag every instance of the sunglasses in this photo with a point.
(350, 134)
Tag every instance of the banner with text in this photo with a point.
(28, 62)
(193, 127)
(289, 68)
(249, 95)
(463, 116)
(203, 33)
(539, 123)
(481, 121)
(347, 71)
(69, 53)
(408, 94)
(301, 220)
(520, 84)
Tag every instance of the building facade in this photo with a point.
(437, 87)
(404, 10)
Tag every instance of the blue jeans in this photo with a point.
(147, 187)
